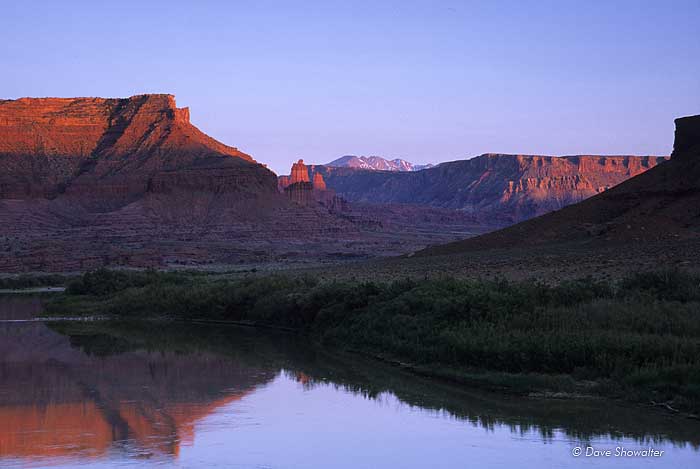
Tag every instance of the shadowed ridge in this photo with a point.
(687, 139)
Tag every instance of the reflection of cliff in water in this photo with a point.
(56, 400)
(581, 420)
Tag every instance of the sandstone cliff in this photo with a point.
(113, 151)
(506, 188)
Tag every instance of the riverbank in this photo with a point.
(636, 339)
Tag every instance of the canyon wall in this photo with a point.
(496, 187)
(659, 205)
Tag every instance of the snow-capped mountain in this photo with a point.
(376, 163)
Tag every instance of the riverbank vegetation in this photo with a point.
(637, 338)
(33, 281)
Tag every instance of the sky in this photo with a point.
(427, 81)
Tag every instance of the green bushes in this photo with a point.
(643, 332)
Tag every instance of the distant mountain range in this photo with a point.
(376, 163)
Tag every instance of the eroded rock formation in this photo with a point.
(299, 173)
(299, 189)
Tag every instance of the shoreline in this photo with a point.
(483, 380)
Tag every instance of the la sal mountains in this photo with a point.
(376, 163)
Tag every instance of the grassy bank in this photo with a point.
(638, 338)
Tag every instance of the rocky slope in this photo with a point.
(660, 205)
(494, 187)
(376, 163)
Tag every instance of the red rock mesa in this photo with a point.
(112, 151)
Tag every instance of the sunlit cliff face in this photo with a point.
(56, 401)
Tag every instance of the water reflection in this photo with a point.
(58, 400)
(105, 391)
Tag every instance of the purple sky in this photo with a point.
(427, 81)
